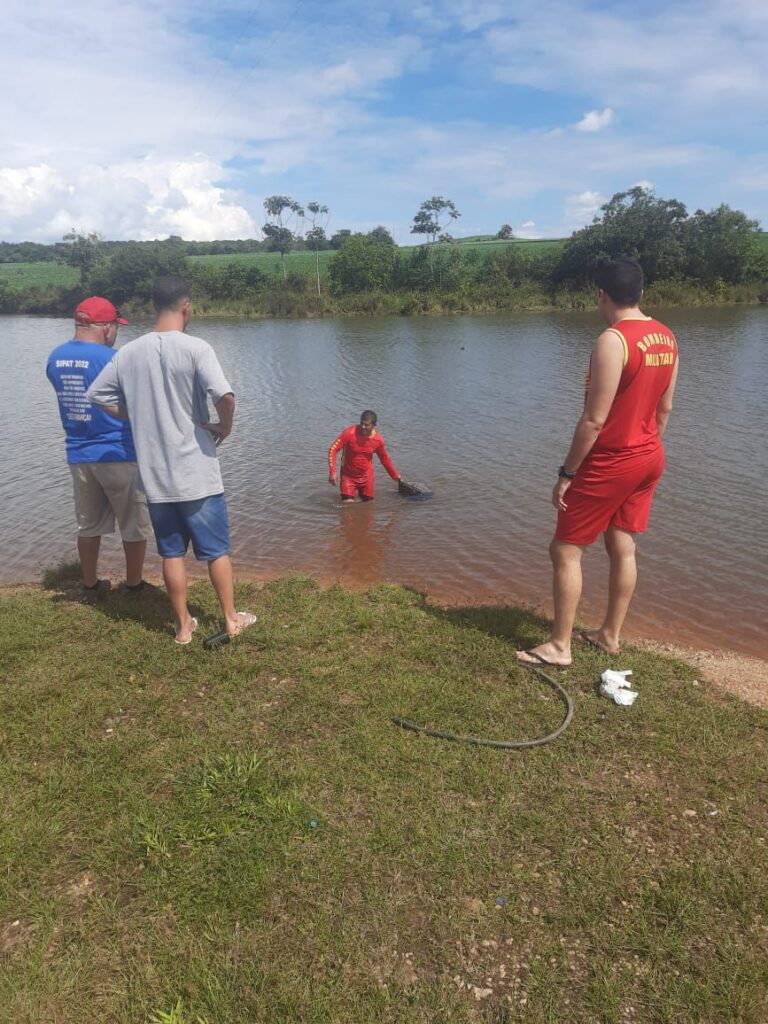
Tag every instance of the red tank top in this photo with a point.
(650, 354)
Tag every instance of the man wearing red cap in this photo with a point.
(100, 451)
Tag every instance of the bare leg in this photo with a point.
(175, 576)
(135, 551)
(88, 550)
(566, 563)
(622, 578)
(220, 571)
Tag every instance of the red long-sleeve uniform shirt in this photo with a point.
(357, 460)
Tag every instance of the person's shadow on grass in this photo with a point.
(520, 627)
(149, 607)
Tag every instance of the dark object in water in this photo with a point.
(216, 640)
(415, 491)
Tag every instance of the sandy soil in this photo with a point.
(735, 673)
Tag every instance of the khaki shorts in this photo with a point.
(105, 491)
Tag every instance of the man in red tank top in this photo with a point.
(358, 444)
(616, 458)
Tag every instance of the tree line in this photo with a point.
(713, 250)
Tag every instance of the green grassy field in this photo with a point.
(26, 275)
(196, 838)
(269, 262)
(38, 275)
(536, 244)
(304, 262)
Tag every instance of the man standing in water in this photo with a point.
(100, 451)
(358, 445)
(615, 461)
(161, 382)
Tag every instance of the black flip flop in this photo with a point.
(541, 661)
(584, 635)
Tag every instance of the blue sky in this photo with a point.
(141, 120)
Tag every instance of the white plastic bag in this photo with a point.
(614, 685)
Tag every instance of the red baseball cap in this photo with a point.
(97, 311)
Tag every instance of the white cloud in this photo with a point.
(581, 209)
(136, 141)
(720, 60)
(595, 120)
(474, 14)
(527, 230)
(141, 199)
(186, 130)
(752, 175)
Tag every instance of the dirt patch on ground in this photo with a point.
(14, 936)
(80, 888)
(734, 673)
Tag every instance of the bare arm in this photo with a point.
(225, 408)
(106, 393)
(118, 411)
(605, 368)
(665, 405)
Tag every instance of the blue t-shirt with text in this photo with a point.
(92, 435)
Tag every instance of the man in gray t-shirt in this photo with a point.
(161, 383)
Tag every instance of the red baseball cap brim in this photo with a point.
(97, 310)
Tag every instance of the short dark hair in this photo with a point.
(168, 291)
(621, 279)
(370, 416)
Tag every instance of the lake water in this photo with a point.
(482, 408)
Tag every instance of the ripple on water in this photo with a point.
(482, 408)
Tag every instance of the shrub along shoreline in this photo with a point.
(287, 305)
(284, 300)
(711, 258)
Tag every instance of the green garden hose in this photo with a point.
(480, 741)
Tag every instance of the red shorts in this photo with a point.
(353, 485)
(609, 492)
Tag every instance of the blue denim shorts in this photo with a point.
(205, 522)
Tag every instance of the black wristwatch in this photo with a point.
(563, 472)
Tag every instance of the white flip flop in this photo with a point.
(183, 643)
(248, 619)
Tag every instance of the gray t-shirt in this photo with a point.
(163, 380)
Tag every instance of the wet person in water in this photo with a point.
(357, 445)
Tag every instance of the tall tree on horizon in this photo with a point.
(427, 222)
(429, 215)
(318, 219)
(282, 211)
(83, 251)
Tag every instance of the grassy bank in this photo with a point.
(244, 836)
(300, 301)
(518, 276)
(23, 276)
(289, 302)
